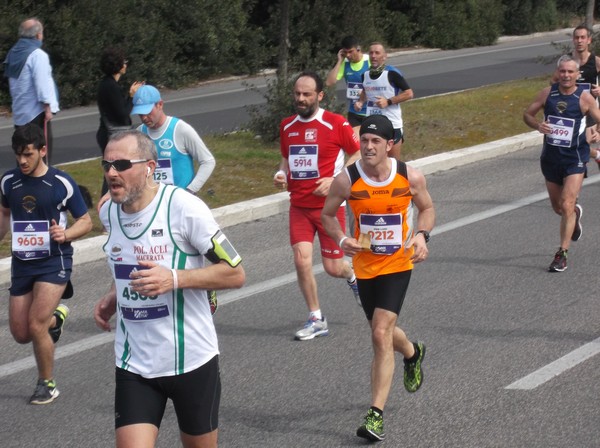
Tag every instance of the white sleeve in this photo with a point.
(186, 137)
(192, 222)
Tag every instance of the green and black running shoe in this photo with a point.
(413, 375)
(372, 428)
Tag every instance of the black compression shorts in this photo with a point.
(196, 396)
(385, 291)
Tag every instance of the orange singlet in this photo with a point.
(384, 211)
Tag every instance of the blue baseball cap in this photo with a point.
(144, 100)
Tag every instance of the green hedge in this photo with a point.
(172, 43)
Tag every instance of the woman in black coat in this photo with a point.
(113, 105)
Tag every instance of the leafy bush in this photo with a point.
(172, 44)
(528, 16)
(468, 23)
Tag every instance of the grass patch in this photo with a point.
(459, 120)
(245, 164)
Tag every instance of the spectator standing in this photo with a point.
(114, 107)
(32, 88)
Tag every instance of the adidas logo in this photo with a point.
(380, 222)
(560, 123)
(302, 151)
(29, 228)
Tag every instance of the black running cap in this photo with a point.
(379, 125)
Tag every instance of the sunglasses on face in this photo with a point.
(120, 164)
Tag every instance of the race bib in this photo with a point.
(31, 239)
(304, 162)
(164, 172)
(133, 305)
(385, 232)
(373, 109)
(562, 131)
(353, 90)
(586, 85)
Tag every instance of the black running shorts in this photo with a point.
(196, 396)
(385, 291)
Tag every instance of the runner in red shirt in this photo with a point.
(313, 143)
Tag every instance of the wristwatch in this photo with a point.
(389, 101)
(425, 234)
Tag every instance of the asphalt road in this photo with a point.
(221, 106)
(483, 303)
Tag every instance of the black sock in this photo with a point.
(59, 322)
(414, 357)
(379, 411)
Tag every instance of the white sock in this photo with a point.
(316, 314)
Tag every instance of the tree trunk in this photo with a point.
(589, 14)
(284, 40)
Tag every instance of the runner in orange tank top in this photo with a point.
(383, 193)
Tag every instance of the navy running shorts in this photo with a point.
(19, 286)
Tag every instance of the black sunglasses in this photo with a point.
(121, 164)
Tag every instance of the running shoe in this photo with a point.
(45, 392)
(212, 301)
(372, 428)
(313, 328)
(413, 375)
(559, 263)
(578, 230)
(61, 313)
(354, 287)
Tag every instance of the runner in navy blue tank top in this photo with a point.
(566, 151)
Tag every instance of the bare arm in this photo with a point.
(405, 95)
(529, 115)
(280, 178)
(332, 75)
(158, 279)
(589, 106)
(338, 193)
(80, 227)
(426, 215)
(358, 104)
(105, 308)
(595, 90)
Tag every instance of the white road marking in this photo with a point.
(61, 352)
(557, 367)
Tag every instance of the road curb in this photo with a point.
(90, 249)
